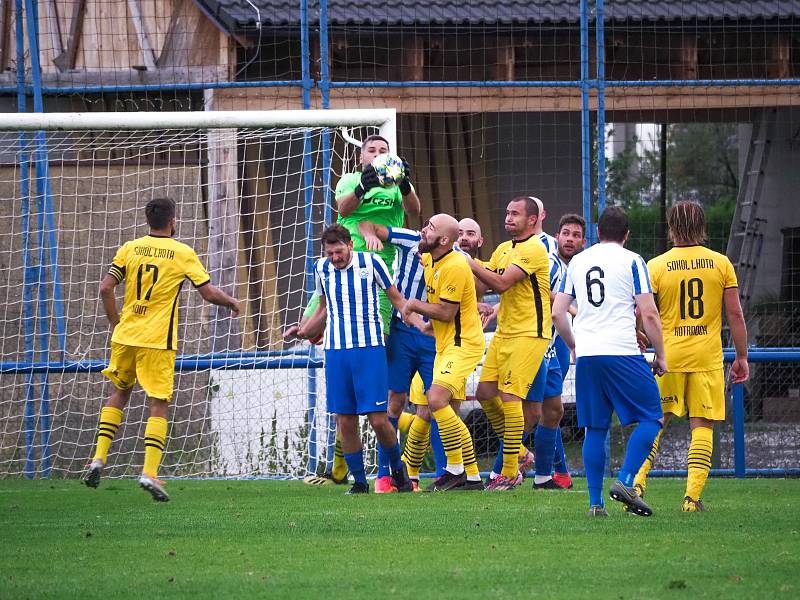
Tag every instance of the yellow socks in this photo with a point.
(699, 461)
(404, 422)
(416, 446)
(450, 431)
(110, 418)
(496, 415)
(641, 476)
(468, 452)
(155, 440)
(512, 437)
(340, 469)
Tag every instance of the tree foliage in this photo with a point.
(701, 165)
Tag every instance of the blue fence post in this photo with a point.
(586, 133)
(48, 245)
(29, 270)
(601, 105)
(739, 462)
(327, 165)
(308, 182)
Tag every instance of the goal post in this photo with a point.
(253, 194)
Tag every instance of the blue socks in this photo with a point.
(355, 462)
(385, 462)
(639, 446)
(393, 456)
(560, 458)
(544, 443)
(594, 461)
(439, 456)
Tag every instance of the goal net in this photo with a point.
(253, 190)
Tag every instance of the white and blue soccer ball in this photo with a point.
(389, 168)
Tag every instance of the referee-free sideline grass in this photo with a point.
(272, 539)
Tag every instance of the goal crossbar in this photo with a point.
(196, 119)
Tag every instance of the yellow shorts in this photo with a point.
(153, 368)
(513, 363)
(452, 368)
(702, 392)
(417, 395)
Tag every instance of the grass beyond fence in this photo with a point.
(241, 539)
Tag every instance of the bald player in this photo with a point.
(452, 308)
(470, 239)
(550, 243)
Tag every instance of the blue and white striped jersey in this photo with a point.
(605, 280)
(550, 243)
(351, 297)
(557, 271)
(409, 272)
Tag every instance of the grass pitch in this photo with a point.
(236, 539)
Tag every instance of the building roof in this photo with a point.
(245, 14)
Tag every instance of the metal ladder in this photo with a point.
(746, 239)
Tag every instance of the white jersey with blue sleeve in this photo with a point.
(604, 280)
(351, 297)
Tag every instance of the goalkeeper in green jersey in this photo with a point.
(361, 197)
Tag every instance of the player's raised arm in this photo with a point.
(411, 203)
(374, 235)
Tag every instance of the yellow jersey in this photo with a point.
(525, 306)
(153, 269)
(689, 283)
(449, 279)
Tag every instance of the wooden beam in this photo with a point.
(66, 60)
(414, 59)
(54, 27)
(5, 32)
(514, 99)
(780, 56)
(148, 55)
(505, 65)
(688, 56)
(157, 76)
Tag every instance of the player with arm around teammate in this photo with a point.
(608, 283)
(693, 285)
(145, 336)
(519, 271)
(348, 284)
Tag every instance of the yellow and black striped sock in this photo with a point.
(468, 453)
(155, 440)
(340, 469)
(417, 444)
(641, 476)
(496, 415)
(450, 432)
(512, 438)
(110, 418)
(404, 422)
(699, 461)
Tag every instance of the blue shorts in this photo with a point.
(625, 384)
(564, 358)
(355, 380)
(548, 382)
(409, 351)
